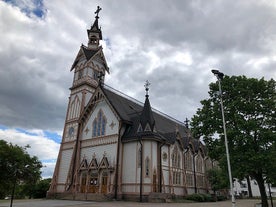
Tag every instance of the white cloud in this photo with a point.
(172, 44)
(44, 148)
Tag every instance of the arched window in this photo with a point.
(188, 160)
(74, 110)
(199, 163)
(175, 159)
(176, 167)
(94, 128)
(80, 74)
(99, 125)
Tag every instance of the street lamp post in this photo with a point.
(219, 76)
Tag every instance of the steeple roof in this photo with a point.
(95, 26)
(146, 118)
(95, 29)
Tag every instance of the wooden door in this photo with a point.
(83, 183)
(93, 187)
(104, 183)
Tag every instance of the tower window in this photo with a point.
(80, 74)
(96, 74)
(99, 125)
(93, 40)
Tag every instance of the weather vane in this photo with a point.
(98, 11)
(147, 84)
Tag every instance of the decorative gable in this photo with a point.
(84, 165)
(93, 164)
(104, 163)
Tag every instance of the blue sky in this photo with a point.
(173, 44)
(29, 7)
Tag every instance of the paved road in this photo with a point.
(65, 203)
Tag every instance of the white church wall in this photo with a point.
(179, 190)
(150, 151)
(66, 156)
(87, 98)
(165, 166)
(109, 151)
(129, 167)
(112, 123)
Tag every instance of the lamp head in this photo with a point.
(218, 74)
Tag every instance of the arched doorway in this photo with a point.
(94, 182)
(104, 182)
(83, 181)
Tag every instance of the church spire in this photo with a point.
(95, 33)
(146, 119)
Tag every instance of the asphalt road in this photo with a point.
(65, 203)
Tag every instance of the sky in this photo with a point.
(173, 44)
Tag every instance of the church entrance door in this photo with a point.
(83, 182)
(94, 186)
(104, 183)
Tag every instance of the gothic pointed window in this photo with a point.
(188, 160)
(80, 74)
(176, 160)
(94, 128)
(74, 110)
(96, 74)
(99, 125)
(103, 127)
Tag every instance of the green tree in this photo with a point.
(249, 106)
(217, 179)
(17, 167)
(41, 188)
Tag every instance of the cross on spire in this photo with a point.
(147, 84)
(97, 12)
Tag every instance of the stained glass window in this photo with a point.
(99, 125)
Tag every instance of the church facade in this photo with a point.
(116, 147)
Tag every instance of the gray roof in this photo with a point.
(130, 112)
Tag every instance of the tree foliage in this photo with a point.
(41, 188)
(217, 179)
(17, 167)
(249, 107)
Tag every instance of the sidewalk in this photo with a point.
(65, 203)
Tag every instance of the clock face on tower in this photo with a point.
(71, 131)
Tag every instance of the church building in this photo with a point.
(114, 147)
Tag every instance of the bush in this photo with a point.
(221, 198)
(200, 197)
(195, 197)
(208, 198)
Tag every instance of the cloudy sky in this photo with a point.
(173, 44)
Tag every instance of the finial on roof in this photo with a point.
(97, 12)
(187, 123)
(147, 84)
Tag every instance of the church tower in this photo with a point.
(89, 69)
